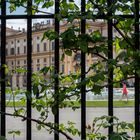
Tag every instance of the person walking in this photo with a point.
(124, 91)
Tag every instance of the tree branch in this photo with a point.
(114, 25)
(39, 122)
(22, 5)
(125, 38)
(101, 56)
(102, 86)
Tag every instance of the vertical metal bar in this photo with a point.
(3, 57)
(83, 88)
(56, 55)
(110, 71)
(29, 71)
(137, 78)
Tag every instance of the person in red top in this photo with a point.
(124, 92)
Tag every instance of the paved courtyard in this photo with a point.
(124, 114)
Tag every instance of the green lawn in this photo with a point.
(88, 104)
(115, 103)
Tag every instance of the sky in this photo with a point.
(22, 23)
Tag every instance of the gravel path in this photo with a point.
(124, 114)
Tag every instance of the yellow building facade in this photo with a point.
(42, 51)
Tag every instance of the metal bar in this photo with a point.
(29, 73)
(110, 71)
(3, 62)
(137, 78)
(52, 16)
(83, 70)
(56, 55)
(26, 16)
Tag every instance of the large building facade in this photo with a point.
(42, 51)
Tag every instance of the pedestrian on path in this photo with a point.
(124, 91)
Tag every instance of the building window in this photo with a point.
(52, 59)
(17, 41)
(24, 61)
(90, 30)
(53, 45)
(12, 51)
(24, 80)
(77, 57)
(24, 49)
(24, 40)
(38, 60)
(12, 63)
(44, 59)
(38, 68)
(38, 49)
(18, 50)
(18, 62)
(17, 80)
(45, 46)
(12, 42)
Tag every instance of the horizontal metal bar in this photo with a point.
(25, 16)
(52, 16)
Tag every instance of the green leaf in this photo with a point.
(38, 107)
(123, 44)
(117, 45)
(42, 113)
(62, 57)
(71, 6)
(54, 109)
(45, 70)
(21, 70)
(12, 8)
(131, 126)
(121, 55)
(68, 52)
(115, 136)
(96, 36)
(48, 4)
(15, 132)
(50, 34)
(35, 89)
(38, 127)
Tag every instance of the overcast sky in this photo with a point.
(22, 23)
